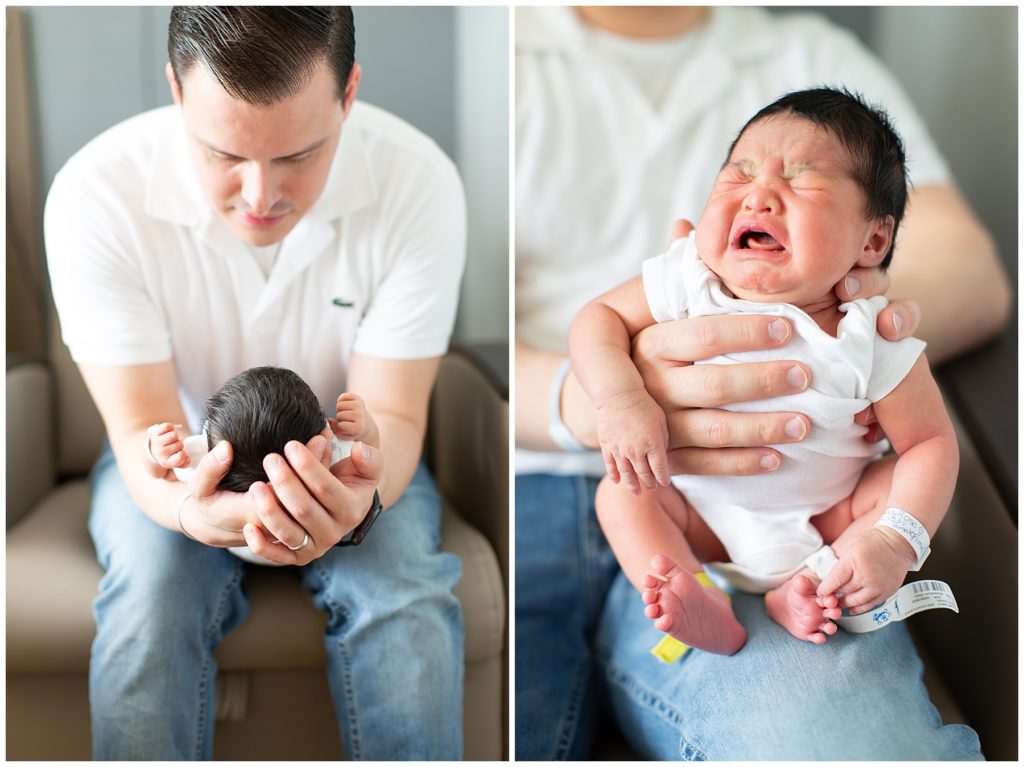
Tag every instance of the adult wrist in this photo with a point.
(558, 431)
(181, 506)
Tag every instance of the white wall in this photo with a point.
(481, 50)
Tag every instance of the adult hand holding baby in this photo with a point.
(706, 440)
(307, 501)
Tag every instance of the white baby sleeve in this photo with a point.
(892, 361)
(665, 281)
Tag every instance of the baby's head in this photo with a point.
(814, 184)
(259, 412)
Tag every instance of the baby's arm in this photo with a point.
(354, 422)
(873, 561)
(631, 426)
(165, 449)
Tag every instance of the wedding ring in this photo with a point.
(305, 540)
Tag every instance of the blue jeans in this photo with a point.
(856, 697)
(394, 632)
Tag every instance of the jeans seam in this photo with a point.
(570, 715)
(657, 706)
(345, 663)
(216, 622)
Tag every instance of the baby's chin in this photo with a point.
(770, 293)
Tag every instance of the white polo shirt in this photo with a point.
(143, 269)
(601, 173)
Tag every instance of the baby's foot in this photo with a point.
(681, 607)
(796, 606)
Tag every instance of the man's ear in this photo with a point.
(877, 245)
(173, 82)
(350, 89)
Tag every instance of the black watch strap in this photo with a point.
(356, 534)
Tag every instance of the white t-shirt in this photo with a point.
(601, 174)
(764, 520)
(143, 269)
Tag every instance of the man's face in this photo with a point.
(785, 219)
(262, 168)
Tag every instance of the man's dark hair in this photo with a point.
(259, 412)
(262, 54)
(877, 159)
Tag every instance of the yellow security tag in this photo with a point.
(669, 649)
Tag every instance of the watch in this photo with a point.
(355, 536)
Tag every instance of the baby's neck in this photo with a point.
(826, 313)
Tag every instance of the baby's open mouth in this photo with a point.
(757, 240)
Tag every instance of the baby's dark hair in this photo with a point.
(259, 412)
(877, 158)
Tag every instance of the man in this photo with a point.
(265, 218)
(623, 116)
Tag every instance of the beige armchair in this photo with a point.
(272, 675)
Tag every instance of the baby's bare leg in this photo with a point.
(648, 532)
(869, 496)
(795, 604)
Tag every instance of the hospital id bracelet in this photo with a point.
(557, 429)
(911, 530)
(355, 536)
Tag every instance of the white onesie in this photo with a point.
(764, 521)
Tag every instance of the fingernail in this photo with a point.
(796, 428)
(778, 330)
(250, 536)
(852, 286)
(221, 451)
(797, 378)
(273, 466)
(365, 451)
(770, 462)
(897, 321)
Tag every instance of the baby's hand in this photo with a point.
(167, 446)
(870, 570)
(351, 418)
(634, 441)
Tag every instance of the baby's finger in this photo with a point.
(644, 473)
(652, 611)
(838, 577)
(628, 477)
(658, 461)
(610, 468)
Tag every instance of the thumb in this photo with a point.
(211, 470)
(363, 467)
(838, 576)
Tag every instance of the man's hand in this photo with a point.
(898, 320)
(305, 497)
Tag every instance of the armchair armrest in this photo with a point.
(31, 448)
(467, 439)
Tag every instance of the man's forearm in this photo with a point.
(158, 498)
(401, 443)
(535, 371)
(947, 262)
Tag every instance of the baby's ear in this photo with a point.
(877, 245)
